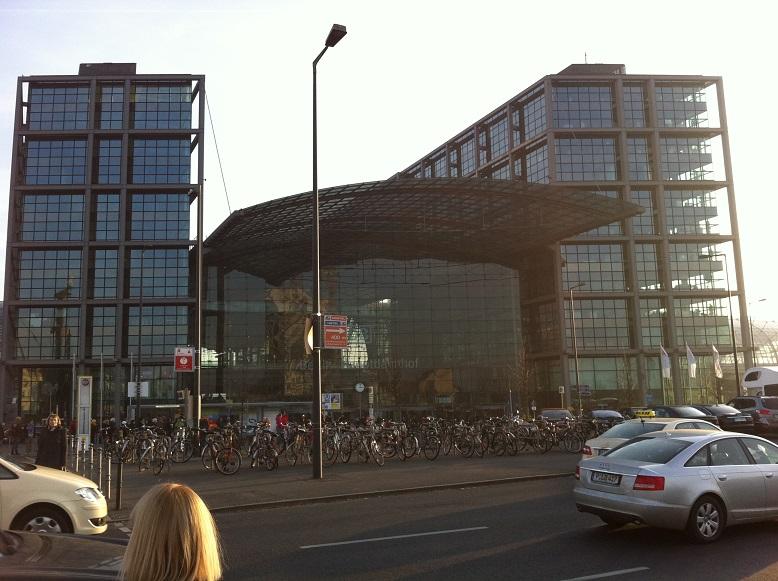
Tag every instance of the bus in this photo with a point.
(760, 381)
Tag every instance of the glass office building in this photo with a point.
(670, 276)
(105, 168)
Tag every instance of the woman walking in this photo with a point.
(52, 444)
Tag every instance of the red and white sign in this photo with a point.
(335, 331)
(184, 359)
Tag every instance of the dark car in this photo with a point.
(764, 410)
(610, 417)
(729, 418)
(556, 414)
(682, 411)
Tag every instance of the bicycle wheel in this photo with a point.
(572, 443)
(498, 444)
(144, 462)
(208, 456)
(432, 448)
(446, 444)
(409, 447)
(161, 461)
(291, 454)
(330, 452)
(271, 459)
(345, 448)
(375, 451)
(511, 444)
(182, 451)
(228, 461)
(464, 444)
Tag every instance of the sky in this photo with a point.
(408, 76)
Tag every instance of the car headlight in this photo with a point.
(90, 494)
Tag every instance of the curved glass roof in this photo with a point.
(458, 219)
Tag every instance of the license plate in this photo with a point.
(740, 419)
(606, 478)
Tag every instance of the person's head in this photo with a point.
(53, 421)
(174, 538)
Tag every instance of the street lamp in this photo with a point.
(575, 346)
(731, 319)
(337, 32)
(751, 330)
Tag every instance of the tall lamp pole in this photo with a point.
(751, 331)
(731, 318)
(575, 346)
(337, 32)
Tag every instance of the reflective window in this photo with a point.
(52, 217)
(644, 223)
(58, 108)
(695, 266)
(586, 159)
(534, 118)
(702, 321)
(159, 217)
(101, 332)
(49, 274)
(162, 329)
(501, 172)
(681, 106)
(686, 158)
(612, 229)
(164, 272)
(498, 137)
(105, 272)
(541, 323)
(607, 373)
(161, 106)
(537, 165)
(634, 106)
(761, 452)
(467, 156)
(653, 314)
(55, 162)
(106, 217)
(46, 332)
(639, 159)
(111, 106)
(582, 106)
(600, 324)
(109, 161)
(600, 266)
(160, 161)
(727, 452)
(696, 212)
(647, 267)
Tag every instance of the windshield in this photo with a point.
(687, 411)
(556, 414)
(632, 429)
(26, 467)
(720, 410)
(649, 450)
(771, 403)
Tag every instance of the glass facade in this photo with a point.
(161, 272)
(58, 108)
(52, 217)
(111, 106)
(55, 162)
(102, 332)
(159, 217)
(162, 328)
(105, 274)
(46, 332)
(49, 274)
(585, 160)
(106, 217)
(156, 106)
(109, 161)
(160, 161)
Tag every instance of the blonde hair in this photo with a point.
(56, 418)
(174, 538)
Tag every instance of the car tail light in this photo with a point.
(577, 473)
(649, 483)
(764, 412)
(586, 450)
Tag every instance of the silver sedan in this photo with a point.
(688, 480)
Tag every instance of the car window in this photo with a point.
(661, 413)
(762, 452)
(687, 411)
(632, 429)
(701, 458)
(742, 403)
(727, 453)
(6, 474)
(650, 450)
(705, 426)
(686, 426)
(723, 409)
(771, 403)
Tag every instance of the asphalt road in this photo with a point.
(516, 531)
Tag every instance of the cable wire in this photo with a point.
(218, 156)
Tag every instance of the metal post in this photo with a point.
(91, 461)
(731, 324)
(199, 338)
(100, 468)
(108, 479)
(78, 446)
(73, 392)
(140, 341)
(119, 485)
(100, 425)
(575, 347)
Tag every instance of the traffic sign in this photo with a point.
(335, 331)
(184, 359)
(359, 387)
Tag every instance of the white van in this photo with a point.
(761, 381)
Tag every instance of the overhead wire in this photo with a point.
(218, 155)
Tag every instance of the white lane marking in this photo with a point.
(608, 574)
(376, 539)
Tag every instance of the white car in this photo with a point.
(39, 499)
(620, 433)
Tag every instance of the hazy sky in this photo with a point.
(408, 76)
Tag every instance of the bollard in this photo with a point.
(91, 462)
(78, 445)
(119, 486)
(100, 468)
(108, 480)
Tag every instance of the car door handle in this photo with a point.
(722, 477)
(768, 475)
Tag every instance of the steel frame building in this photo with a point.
(98, 226)
(658, 279)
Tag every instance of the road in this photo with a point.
(517, 531)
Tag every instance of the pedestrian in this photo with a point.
(174, 538)
(30, 437)
(52, 444)
(282, 421)
(18, 434)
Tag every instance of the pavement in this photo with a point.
(294, 485)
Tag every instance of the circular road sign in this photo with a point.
(360, 387)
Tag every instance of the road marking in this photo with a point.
(608, 574)
(376, 539)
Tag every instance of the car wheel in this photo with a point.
(707, 520)
(44, 519)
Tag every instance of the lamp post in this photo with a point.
(139, 378)
(751, 330)
(337, 32)
(731, 319)
(575, 346)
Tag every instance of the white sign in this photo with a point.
(360, 387)
(144, 389)
(184, 359)
(84, 408)
(561, 390)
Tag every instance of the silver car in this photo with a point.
(688, 480)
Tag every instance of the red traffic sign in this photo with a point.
(184, 359)
(335, 331)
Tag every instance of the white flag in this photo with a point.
(717, 363)
(692, 362)
(665, 362)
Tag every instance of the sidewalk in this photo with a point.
(289, 485)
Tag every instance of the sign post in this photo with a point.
(359, 388)
(84, 407)
(184, 360)
(335, 331)
(562, 396)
